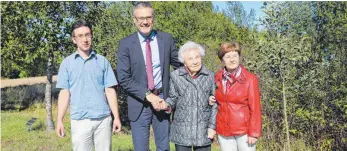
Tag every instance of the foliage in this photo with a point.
(197, 21)
(240, 17)
(30, 29)
(302, 53)
(22, 97)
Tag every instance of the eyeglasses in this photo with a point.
(88, 36)
(230, 56)
(142, 19)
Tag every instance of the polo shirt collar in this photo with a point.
(91, 54)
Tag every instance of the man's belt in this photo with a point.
(157, 91)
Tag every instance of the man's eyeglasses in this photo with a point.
(89, 36)
(142, 19)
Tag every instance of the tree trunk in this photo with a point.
(48, 94)
(285, 114)
(48, 101)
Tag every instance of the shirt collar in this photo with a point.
(241, 78)
(143, 38)
(92, 53)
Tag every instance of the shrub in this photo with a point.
(22, 97)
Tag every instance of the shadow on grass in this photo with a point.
(36, 126)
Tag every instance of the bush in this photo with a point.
(123, 105)
(22, 97)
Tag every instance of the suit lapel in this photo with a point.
(138, 49)
(161, 51)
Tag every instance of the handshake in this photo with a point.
(157, 102)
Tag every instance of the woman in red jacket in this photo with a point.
(238, 99)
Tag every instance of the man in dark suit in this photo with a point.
(143, 70)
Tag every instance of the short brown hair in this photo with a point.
(80, 23)
(228, 47)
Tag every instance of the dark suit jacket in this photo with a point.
(131, 69)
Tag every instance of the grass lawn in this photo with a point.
(15, 137)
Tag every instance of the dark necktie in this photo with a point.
(149, 68)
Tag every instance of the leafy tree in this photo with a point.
(240, 17)
(314, 79)
(331, 21)
(30, 29)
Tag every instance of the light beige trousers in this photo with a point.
(87, 133)
(235, 143)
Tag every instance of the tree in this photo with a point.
(240, 17)
(30, 29)
(330, 19)
(316, 111)
(48, 93)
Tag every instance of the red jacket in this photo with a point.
(239, 111)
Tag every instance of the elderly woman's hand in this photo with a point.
(211, 133)
(163, 105)
(211, 100)
(252, 140)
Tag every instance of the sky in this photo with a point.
(248, 5)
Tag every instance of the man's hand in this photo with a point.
(154, 100)
(211, 100)
(60, 129)
(113, 102)
(211, 133)
(63, 103)
(252, 140)
(117, 125)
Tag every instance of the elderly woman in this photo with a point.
(193, 126)
(238, 99)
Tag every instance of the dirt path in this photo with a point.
(25, 81)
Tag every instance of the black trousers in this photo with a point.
(195, 148)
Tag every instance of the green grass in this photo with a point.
(15, 137)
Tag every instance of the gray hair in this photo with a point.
(188, 46)
(142, 5)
